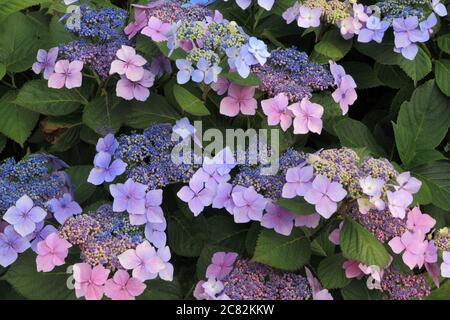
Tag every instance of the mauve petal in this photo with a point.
(82, 272)
(300, 125)
(135, 287)
(336, 192)
(185, 194)
(124, 89)
(315, 125)
(117, 66)
(313, 196)
(134, 73)
(99, 275)
(396, 245)
(129, 260)
(140, 93)
(248, 106)
(229, 106)
(44, 263)
(326, 207)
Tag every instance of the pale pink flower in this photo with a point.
(123, 287)
(156, 29)
(128, 63)
(51, 252)
(89, 282)
(277, 112)
(239, 99)
(138, 90)
(308, 117)
(143, 260)
(66, 74)
(414, 247)
(418, 221)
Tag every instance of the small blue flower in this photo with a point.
(185, 71)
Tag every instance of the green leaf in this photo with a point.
(444, 43)
(186, 234)
(443, 75)
(159, 289)
(188, 102)
(441, 293)
(156, 109)
(24, 278)
(354, 134)
(3, 141)
(16, 122)
(360, 245)
(78, 177)
(36, 96)
(422, 122)
(20, 38)
(392, 76)
(223, 231)
(357, 290)
(2, 70)
(105, 114)
(381, 52)
(278, 251)
(331, 273)
(297, 205)
(8, 7)
(363, 74)
(234, 77)
(436, 175)
(418, 68)
(333, 45)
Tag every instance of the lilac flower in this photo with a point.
(279, 219)
(223, 198)
(64, 207)
(144, 261)
(153, 212)
(374, 30)
(427, 26)
(185, 130)
(325, 195)
(398, 202)
(40, 233)
(209, 175)
(258, 49)
(406, 35)
(105, 170)
(107, 144)
(371, 186)
(309, 17)
(197, 195)
(418, 221)
(11, 244)
(129, 196)
(237, 60)
(185, 71)
(359, 12)
(220, 86)
(24, 216)
(249, 205)
(155, 233)
(160, 65)
(445, 266)
(167, 272)
(309, 221)
(223, 161)
(408, 183)
(66, 74)
(349, 26)
(291, 14)
(298, 182)
(439, 8)
(345, 94)
(414, 248)
(337, 71)
(46, 62)
(205, 72)
(222, 265)
(138, 90)
(128, 64)
(317, 291)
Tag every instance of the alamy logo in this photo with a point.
(245, 147)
